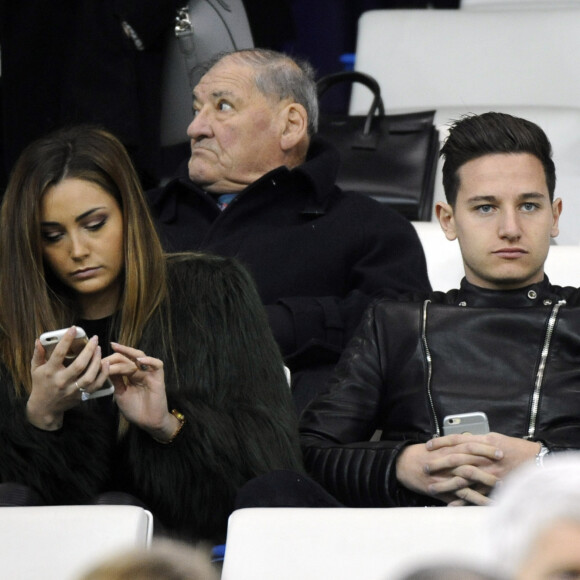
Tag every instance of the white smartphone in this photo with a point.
(472, 423)
(50, 339)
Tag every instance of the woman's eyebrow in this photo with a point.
(77, 219)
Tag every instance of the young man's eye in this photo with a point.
(486, 208)
(529, 206)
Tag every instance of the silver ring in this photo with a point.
(144, 367)
(81, 389)
(85, 396)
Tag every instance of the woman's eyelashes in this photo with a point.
(94, 224)
(51, 236)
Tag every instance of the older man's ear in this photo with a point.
(294, 128)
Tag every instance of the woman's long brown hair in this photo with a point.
(31, 299)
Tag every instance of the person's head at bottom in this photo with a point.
(447, 572)
(535, 525)
(165, 560)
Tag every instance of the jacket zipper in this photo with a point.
(539, 375)
(429, 362)
(541, 369)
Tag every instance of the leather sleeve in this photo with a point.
(336, 428)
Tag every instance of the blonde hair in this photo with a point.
(165, 560)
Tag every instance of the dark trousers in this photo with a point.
(19, 495)
(284, 489)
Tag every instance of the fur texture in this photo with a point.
(223, 371)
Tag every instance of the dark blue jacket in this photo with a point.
(318, 254)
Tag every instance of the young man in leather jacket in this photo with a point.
(506, 343)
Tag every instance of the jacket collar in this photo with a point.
(320, 169)
(541, 293)
(318, 174)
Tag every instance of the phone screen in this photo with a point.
(75, 349)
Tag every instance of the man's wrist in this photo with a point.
(408, 468)
(541, 454)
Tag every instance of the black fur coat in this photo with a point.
(227, 380)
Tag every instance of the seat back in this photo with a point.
(62, 542)
(347, 543)
(517, 4)
(426, 59)
(447, 60)
(444, 262)
(562, 265)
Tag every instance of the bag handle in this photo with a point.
(377, 105)
(184, 32)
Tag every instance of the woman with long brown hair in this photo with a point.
(201, 403)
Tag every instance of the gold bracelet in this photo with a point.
(181, 418)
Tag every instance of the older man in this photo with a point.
(262, 188)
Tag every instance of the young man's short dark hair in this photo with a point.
(476, 135)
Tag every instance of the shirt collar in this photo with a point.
(540, 293)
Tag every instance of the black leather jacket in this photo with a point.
(513, 354)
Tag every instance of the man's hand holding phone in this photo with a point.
(59, 380)
(462, 469)
(450, 469)
(463, 466)
(510, 452)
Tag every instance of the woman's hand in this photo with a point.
(56, 388)
(140, 391)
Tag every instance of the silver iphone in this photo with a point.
(50, 339)
(472, 423)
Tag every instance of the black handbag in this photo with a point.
(391, 158)
(203, 28)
